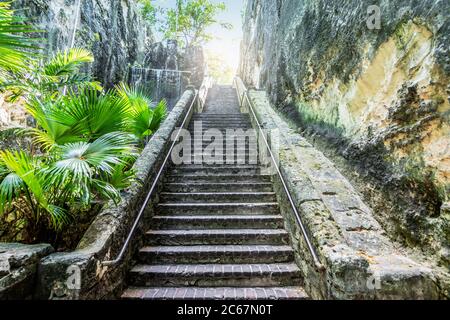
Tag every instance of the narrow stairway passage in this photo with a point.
(218, 232)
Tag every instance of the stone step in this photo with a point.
(208, 140)
(215, 293)
(205, 143)
(214, 170)
(213, 167)
(221, 161)
(206, 197)
(221, 122)
(218, 187)
(224, 153)
(235, 138)
(207, 147)
(215, 275)
(223, 132)
(198, 209)
(216, 237)
(222, 178)
(228, 117)
(202, 146)
(218, 222)
(219, 126)
(216, 254)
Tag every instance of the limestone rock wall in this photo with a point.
(113, 30)
(382, 95)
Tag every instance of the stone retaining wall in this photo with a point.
(80, 274)
(360, 261)
(18, 266)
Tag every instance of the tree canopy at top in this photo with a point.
(191, 19)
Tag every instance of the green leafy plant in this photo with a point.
(14, 46)
(84, 142)
(148, 11)
(71, 177)
(48, 80)
(143, 120)
(191, 19)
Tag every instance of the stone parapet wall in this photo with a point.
(18, 266)
(360, 260)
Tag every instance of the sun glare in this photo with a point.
(222, 57)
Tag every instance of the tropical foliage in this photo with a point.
(52, 186)
(84, 141)
(191, 18)
(148, 11)
(49, 80)
(14, 46)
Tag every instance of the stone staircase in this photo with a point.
(218, 232)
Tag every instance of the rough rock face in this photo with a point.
(18, 267)
(383, 94)
(113, 30)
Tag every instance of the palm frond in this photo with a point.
(10, 188)
(51, 129)
(121, 177)
(106, 190)
(67, 62)
(14, 47)
(95, 113)
(159, 115)
(80, 161)
(143, 121)
(22, 165)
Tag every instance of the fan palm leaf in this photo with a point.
(159, 115)
(14, 47)
(95, 113)
(143, 120)
(67, 62)
(51, 132)
(81, 164)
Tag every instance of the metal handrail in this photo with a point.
(147, 199)
(311, 250)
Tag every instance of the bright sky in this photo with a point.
(227, 42)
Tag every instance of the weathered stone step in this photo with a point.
(206, 197)
(220, 161)
(210, 275)
(223, 131)
(217, 254)
(206, 145)
(207, 170)
(221, 127)
(224, 154)
(223, 149)
(217, 293)
(198, 209)
(218, 222)
(236, 138)
(217, 236)
(222, 166)
(225, 116)
(219, 187)
(207, 141)
(228, 116)
(218, 178)
(220, 122)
